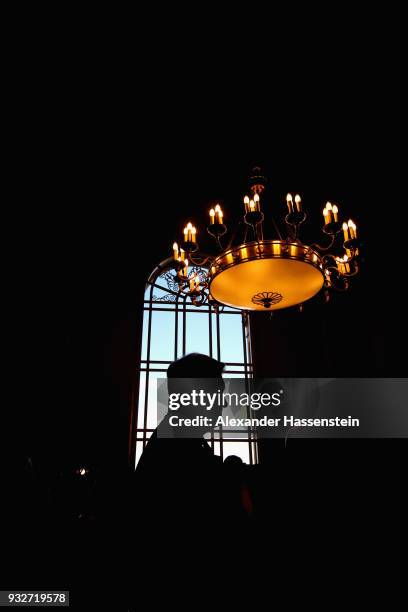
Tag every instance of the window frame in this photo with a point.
(178, 304)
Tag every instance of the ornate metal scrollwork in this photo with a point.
(168, 298)
(267, 298)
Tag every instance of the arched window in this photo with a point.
(173, 327)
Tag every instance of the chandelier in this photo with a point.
(251, 272)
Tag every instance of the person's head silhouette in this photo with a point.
(196, 372)
(195, 365)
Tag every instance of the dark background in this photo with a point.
(113, 162)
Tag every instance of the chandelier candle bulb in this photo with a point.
(251, 206)
(289, 202)
(189, 228)
(256, 200)
(352, 229)
(188, 232)
(218, 213)
(193, 235)
(326, 216)
(298, 202)
(212, 215)
(329, 209)
(339, 263)
(175, 251)
(335, 213)
(343, 265)
(246, 203)
(182, 273)
(345, 231)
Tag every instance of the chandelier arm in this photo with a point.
(291, 233)
(219, 243)
(234, 235)
(246, 233)
(328, 256)
(200, 262)
(353, 255)
(354, 273)
(321, 248)
(257, 240)
(294, 225)
(338, 276)
(199, 299)
(342, 289)
(275, 225)
(183, 290)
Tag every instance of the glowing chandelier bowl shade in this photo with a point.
(270, 275)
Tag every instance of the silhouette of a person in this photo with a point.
(179, 477)
(183, 494)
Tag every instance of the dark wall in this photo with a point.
(355, 334)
